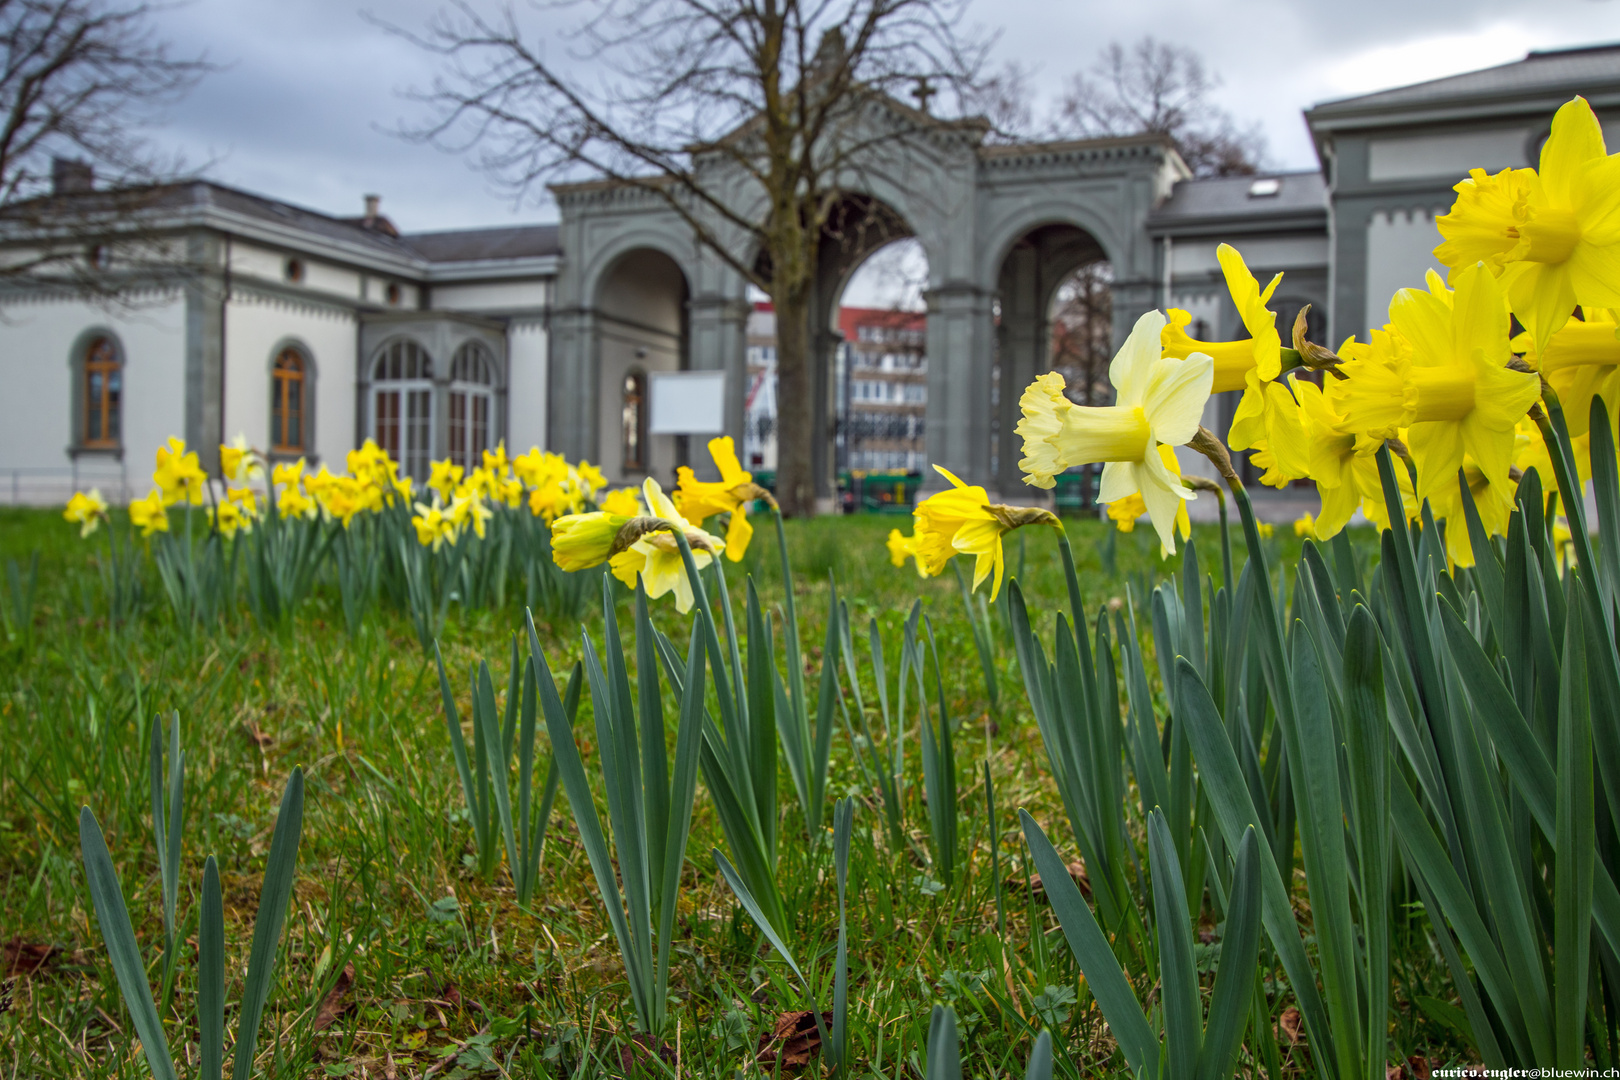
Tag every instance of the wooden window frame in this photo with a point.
(110, 401)
(281, 382)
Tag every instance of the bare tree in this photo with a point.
(743, 116)
(79, 79)
(1082, 333)
(1155, 87)
(1003, 97)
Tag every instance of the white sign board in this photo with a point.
(687, 403)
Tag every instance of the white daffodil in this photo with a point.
(1158, 401)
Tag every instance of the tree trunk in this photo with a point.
(796, 437)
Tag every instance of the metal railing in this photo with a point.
(54, 484)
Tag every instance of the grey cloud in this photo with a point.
(312, 89)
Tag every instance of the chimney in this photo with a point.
(373, 206)
(70, 177)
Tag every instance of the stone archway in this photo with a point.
(970, 206)
(859, 226)
(1034, 267)
(641, 326)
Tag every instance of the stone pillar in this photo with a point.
(824, 345)
(1131, 300)
(205, 351)
(573, 375)
(1023, 345)
(960, 342)
(717, 341)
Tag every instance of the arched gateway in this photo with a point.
(1002, 226)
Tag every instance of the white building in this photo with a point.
(304, 332)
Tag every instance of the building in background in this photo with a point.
(304, 332)
(882, 374)
(759, 400)
(881, 377)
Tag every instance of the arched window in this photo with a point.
(472, 404)
(102, 414)
(402, 405)
(289, 403)
(634, 420)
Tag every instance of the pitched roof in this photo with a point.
(477, 245)
(1297, 198)
(1557, 73)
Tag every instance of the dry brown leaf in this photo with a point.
(1291, 1024)
(1077, 871)
(792, 1041)
(333, 1005)
(256, 736)
(642, 1049)
(24, 958)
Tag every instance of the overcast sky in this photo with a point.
(310, 89)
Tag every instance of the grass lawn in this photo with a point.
(397, 959)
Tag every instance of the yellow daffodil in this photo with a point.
(86, 511)
(294, 503)
(433, 528)
(1492, 498)
(469, 509)
(554, 500)
(903, 547)
(1530, 452)
(656, 556)
(731, 494)
(340, 496)
(1342, 462)
(178, 475)
(590, 478)
(1378, 398)
(1125, 512)
(1260, 352)
(444, 476)
(1448, 357)
(150, 515)
(1268, 423)
(622, 501)
(580, 541)
(1266, 529)
(237, 460)
(496, 460)
(1376, 510)
(1553, 234)
(1159, 400)
(537, 468)
(1305, 526)
(938, 517)
(1581, 362)
(962, 520)
(229, 519)
(246, 500)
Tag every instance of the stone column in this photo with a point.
(205, 351)
(1131, 300)
(960, 342)
(717, 341)
(824, 368)
(1022, 352)
(573, 375)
